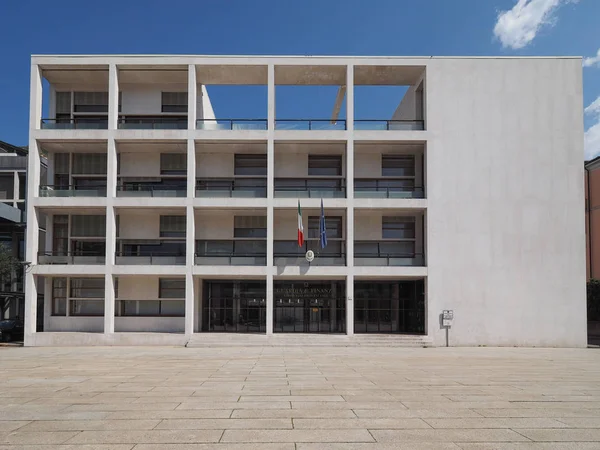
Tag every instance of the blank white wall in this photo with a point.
(139, 225)
(140, 164)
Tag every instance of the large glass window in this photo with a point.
(250, 226)
(250, 165)
(86, 102)
(59, 296)
(175, 102)
(333, 227)
(87, 297)
(172, 226)
(171, 288)
(89, 163)
(88, 226)
(7, 186)
(321, 165)
(398, 166)
(60, 235)
(398, 227)
(173, 163)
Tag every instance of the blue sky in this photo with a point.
(309, 27)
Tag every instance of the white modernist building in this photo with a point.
(166, 223)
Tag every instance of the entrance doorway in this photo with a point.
(234, 307)
(389, 307)
(309, 307)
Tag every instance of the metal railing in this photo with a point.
(309, 124)
(385, 188)
(381, 256)
(72, 191)
(151, 190)
(163, 123)
(150, 308)
(231, 124)
(399, 125)
(150, 258)
(231, 187)
(81, 123)
(289, 253)
(58, 257)
(247, 252)
(310, 187)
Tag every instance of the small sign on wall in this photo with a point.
(447, 318)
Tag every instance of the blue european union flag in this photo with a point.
(322, 229)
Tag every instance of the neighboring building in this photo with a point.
(592, 217)
(164, 222)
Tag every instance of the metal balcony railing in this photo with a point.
(309, 124)
(232, 187)
(385, 253)
(397, 125)
(289, 253)
(58, 257)
(243, 252)
(150, 258)
(386, 188)
(151, 190)
(72, 191)
(231, 124)
(310, 187)
(163, 123)
(81, 123)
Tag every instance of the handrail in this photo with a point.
(387, 188)
(152, 189)
(388, 124)
(82, 123)
(60, 257)
(231, 124)
(73, 187)
(310, 124)
(141, 123)
(314, 183)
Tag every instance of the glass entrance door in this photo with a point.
(309, 307)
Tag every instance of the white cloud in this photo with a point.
(518, 26)
(592, 135)
(592, 60)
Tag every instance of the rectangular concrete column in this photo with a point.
(113, 96)
(190, 294)
(270, 170)
(350, 305)
(192, 97)
(109, 304)
(191, 169)
(350, 169)
(269, 304)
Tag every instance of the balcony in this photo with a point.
(73, 191)
(289, 253)
(387, 253)
(389, 125)
(242, 252)
(151, 189)
(150, 252)
(80, 257)
(231, 124)
(151, 258)
(387, 188)
(80, 123)
(232, 187)
(310, 124)
(314, 187)
(153, 123)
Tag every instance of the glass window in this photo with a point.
(250, 165)
(63, 103)
(172, 308)
(59, 296)
(321, 165)
(398, 166)
(62, 163)
(86, 308)
(173, 163)
(23, 185)
(90, 102)
(172, 226)
(171, 288)
(398, 227)
(60, 229)
(89, 163)
(89, 248)
(333, 227)
(88, 226)
(7, 185)
(87, 288)
(250, 226)
(175, 102)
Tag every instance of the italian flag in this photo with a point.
(300, 227)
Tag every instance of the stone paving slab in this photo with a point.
(266, 398)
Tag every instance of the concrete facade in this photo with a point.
(496, 145)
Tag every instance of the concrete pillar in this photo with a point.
(350, 98)
(113, 96)
(47, 301)
(190, 294)
(350, 305)
(109, 304)
(35, 100)
(192, 97)
(269, 304)
(191, 169)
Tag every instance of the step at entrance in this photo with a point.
(306, 340)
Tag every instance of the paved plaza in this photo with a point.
(299, 398)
